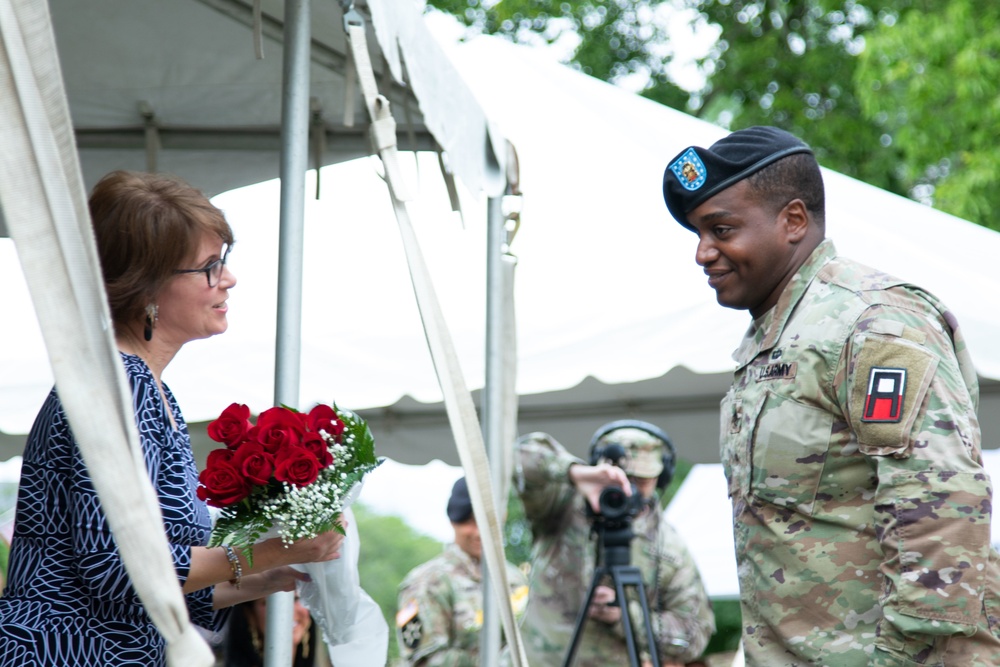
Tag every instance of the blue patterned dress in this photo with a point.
(68, 600)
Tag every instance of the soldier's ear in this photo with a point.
(794, 219)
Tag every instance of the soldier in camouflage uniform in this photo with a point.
(555, 486)
(441, 602)
(850, 439)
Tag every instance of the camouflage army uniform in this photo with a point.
(563, 567)
(441, 610)
(861, 508)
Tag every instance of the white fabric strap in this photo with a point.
(258, 31)
(457, 399)
(508, 391)
(350, 83)
(42, 195)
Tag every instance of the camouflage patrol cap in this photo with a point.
(643, 450)
(460, 504)
(696, 174)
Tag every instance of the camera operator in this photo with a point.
(556, 489)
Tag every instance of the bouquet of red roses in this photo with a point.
(291, 472)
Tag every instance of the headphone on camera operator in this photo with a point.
(615, 452)
(616, 510)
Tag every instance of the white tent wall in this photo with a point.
(607, 291)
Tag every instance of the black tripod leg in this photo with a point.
(650, 639)
(633, 652)
(582, 617)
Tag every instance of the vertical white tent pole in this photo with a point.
(294, 162)
(489, 635)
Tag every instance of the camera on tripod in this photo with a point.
(615, 506)
(616, 509)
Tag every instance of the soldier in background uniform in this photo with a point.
(555, 486)
(850, 439)
(441, 602)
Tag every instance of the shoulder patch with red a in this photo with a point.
(886, 391)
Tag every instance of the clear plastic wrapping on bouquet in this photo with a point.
(352, 624)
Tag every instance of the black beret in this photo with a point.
(696, 174)
(460, 505)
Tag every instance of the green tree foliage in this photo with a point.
(516, 532)
(864, 82)
(4, 555)
(932, 80)
(791, 63)
(389, 550)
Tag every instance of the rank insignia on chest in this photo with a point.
(884, 400)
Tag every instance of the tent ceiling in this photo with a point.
(175, 85)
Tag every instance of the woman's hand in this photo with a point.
(323, 547)
(259, 585)
(276, 580)
(319, 549)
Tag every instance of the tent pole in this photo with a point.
(288, 338)
(493, 428)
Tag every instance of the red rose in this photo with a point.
(278, 428)
(222, 485)
(296, 465)
(315, 443)
(219, 457)
(255, 463)
(323, 417)
(232, 426)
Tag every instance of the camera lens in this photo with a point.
(613, 502)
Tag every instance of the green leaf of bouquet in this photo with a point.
(239, 528)
(364, 442)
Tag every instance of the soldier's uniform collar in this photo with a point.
(764, 331)
(471, 566)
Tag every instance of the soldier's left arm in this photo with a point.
(906, 388)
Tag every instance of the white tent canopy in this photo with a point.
(607, 287)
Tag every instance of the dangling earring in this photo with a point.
(305, 643)
(152, 310)
(258, 645)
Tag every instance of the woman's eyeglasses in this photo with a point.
(213, 271)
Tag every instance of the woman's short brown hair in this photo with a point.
(146, 226)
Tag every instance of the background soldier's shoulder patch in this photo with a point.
(408, 623)
(890, 378)
(406, 613)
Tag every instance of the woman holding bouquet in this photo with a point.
(163, 249)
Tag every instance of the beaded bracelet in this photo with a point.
(234, 565)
